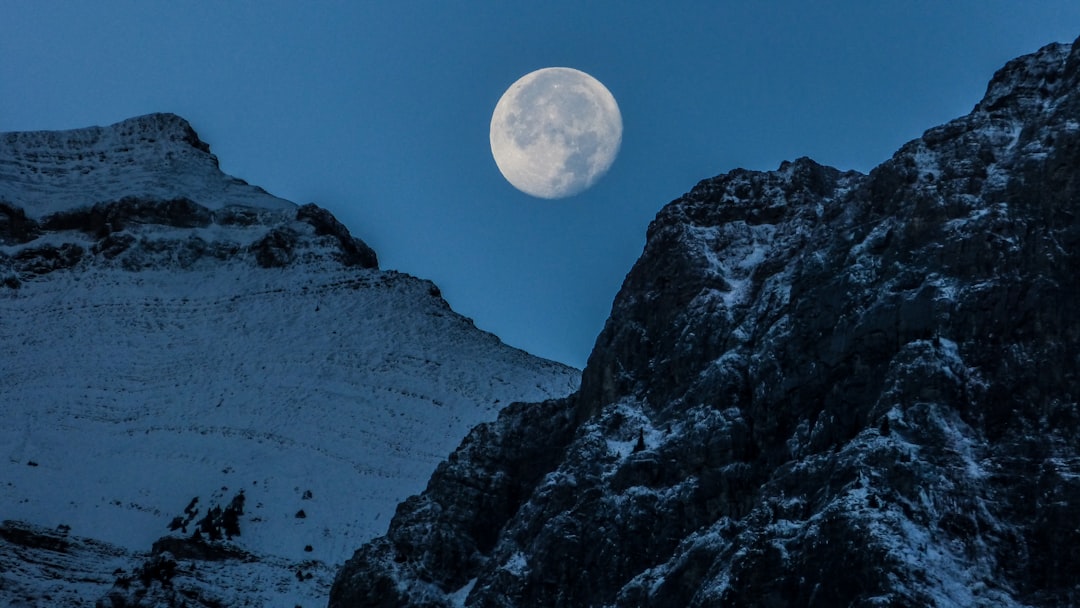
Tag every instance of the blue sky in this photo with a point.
(380, 113)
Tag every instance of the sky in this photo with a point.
(379, 112)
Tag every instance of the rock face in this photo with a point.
(816, 388)
(126, 234)
(174, 336)
(116, 187)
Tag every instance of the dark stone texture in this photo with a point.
(46, 259)
(105, 218)
(152, 126)
(354, 252)
(15, 227)
(852, 390)
(471, 496)
(275, 250)
(33, 537)
(123, 234)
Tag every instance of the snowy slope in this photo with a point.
(168, 359)
(156, 156)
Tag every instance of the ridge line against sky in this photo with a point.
(380, 113)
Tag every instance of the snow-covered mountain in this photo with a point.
(158, 156)
(816, 388)
(178, 343)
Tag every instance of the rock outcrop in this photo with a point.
(128, 234)
(816, 388)
(108, 195)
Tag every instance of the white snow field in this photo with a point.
(317, 388)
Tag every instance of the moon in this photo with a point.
(555, 132)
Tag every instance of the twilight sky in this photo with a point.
(379, 111)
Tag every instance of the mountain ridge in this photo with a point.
(207, 379)
(816, 388)
(157, 156)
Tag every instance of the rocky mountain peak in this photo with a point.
(816, 388)
(201, 379)
(1025, 81)
(158, 128)
(146, 193)
(169, 126)
(707, 256)
(156, 156)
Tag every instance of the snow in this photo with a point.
(622, 442)
(457, 598)
(314, 387)
(926, 162)
(517, 564)
(134, 392)
(49, 171)
(919, 499)
(732, 252)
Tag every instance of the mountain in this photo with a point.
(211, 395)
(815, 388)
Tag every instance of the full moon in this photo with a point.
(555, 132)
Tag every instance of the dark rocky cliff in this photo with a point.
(126, 234)
(816, 388)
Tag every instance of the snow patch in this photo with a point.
(457, 598)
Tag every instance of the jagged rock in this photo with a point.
(15, 227)
(23, 535)
(275, 250)
(354, 252)
(105, 218)
(45, 259)
(469, 499)
(127, 233)
(852, 390)
(116, 187)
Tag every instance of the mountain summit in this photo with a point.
(210, 395)
(816, 388)
(157, 156)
